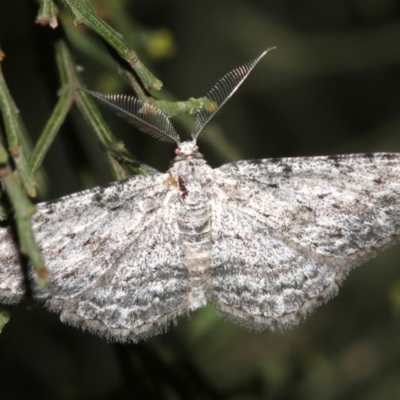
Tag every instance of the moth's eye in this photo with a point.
(177, 151)
(196, 148)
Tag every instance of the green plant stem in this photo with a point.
(47, 14)
(15, 135)
(169, 108)
(84, 13)
(122, 162)
(4, 316)
(23, 209)
(117, 155)
(53, 125)
(66, 72)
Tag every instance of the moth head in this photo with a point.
(187, 149)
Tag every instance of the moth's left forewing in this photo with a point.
(287, 231)
(335, 206)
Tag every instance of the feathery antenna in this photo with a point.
(145, 117)
(154, 122)
(223, 91)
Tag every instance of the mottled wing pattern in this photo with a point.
(115, 265)
(141, 292)
(11, 278)
(287, 231)
(74, 229)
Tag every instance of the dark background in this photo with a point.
(332, 86)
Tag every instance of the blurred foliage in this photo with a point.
(4, 316)
(332, 86)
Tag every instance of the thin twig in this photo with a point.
(47, 14)
(84, 13)
(23, 210)
(4, 316)
(15, 136)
